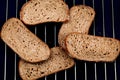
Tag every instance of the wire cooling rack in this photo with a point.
(106, 23)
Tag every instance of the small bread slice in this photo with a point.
(81, 18)
(92, 48)
(41, 11)
(28, 46)
(57, 61)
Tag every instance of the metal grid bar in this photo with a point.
(65, 74)
(75, 70)
(103, 17)
(55, 45)
(45, 42)
(95, 67)
(84, 2)
(95, 71)
(85, 70)
(113, 27)
(105, 67)
(65, 70)
(115, 70)
(85, 62)
(55, 32)
(5, 60)
(15, 54)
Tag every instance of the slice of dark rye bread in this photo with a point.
(41, 11)
(57, 61)
(92, 48)
(81, 18)
(28, 46)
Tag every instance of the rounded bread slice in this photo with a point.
(57, 61)
(92, 48)
(41, 11)
(27, 45)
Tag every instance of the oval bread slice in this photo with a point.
(81, 18)
(57, 61)
(41, 11)
(92, 48)
(28, 46)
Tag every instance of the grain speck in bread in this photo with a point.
(92, 48)
(41, 11)
(28, 46)
(81, 18)
(57, 61)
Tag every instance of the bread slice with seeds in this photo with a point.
(81, 18)
(92, 48)
(41, 11)
(57, 61)
(28, 46)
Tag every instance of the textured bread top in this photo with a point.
(40, 11)
(92, 48)
(58, 61)
(81, 17)
(24, 42)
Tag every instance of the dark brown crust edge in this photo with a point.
(73, 56)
